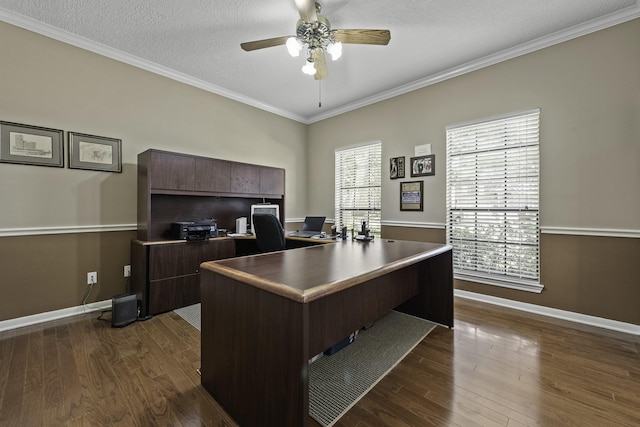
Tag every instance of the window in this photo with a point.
(493, 219)
(358, 187)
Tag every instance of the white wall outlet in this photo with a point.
(127, 271)
(92, 278)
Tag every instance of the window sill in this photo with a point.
(527, 286)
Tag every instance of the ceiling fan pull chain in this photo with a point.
(319, 93)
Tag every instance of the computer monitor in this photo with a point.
(313, 223)
(266, 209)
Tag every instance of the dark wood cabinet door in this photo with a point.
(213, 175)
(271, 180)
(169, 294)
(168, 171)
(174, 271)
(245, 178)
(218, 249)
(174, 259)
(180, 259)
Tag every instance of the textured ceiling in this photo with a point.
(198, 42)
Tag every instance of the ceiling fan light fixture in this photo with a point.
(294, 46)
(335, 50)
(309, 68)
(314, 33)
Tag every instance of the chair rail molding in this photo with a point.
(595, 232)
(69, 229)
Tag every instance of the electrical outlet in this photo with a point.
(127, 271)
(92, 278)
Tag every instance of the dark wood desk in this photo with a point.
(265, 316)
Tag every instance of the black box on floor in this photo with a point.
(342, 344)
(124, 310)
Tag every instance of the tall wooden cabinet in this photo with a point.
(179, 187)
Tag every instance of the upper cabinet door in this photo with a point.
(213, 175)
(245, 178)
(271, 180)
(168, 171)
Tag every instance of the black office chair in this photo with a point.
(269, 233)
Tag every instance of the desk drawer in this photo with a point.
(169, 294)
(181, 259)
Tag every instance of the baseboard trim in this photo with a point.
(600, 322)
(33, 319)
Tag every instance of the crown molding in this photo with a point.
(610, 20)
(619, 17)
(109, 52)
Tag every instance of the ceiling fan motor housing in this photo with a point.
(315, 34)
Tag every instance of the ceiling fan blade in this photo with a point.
(381, 37)
(307, 10)
(319, 63)
(261, 44)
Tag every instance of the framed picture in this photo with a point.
(94, 153)
(31, 145)
(396, 167)
(423, 165)
(411, 196)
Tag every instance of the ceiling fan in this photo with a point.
(314, 32)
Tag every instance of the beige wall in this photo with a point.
(47, 83)
(588, 90)
(45, 273)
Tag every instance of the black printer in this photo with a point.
(193, 230)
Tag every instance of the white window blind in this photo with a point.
(493, 171)
(358, 187)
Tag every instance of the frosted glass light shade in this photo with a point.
(294, 46)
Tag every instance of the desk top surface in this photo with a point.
(306, 274)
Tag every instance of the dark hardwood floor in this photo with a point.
(498, 367)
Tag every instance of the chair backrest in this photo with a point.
(269, 233)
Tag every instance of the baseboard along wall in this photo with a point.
(48, 316)
(599, 322)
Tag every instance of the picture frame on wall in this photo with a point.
(411, 196)
(31, 145)
(423, 165)
(396, 167)
(97, 153)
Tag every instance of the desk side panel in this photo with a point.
(434, 301)
(140, 275)
(254, 352)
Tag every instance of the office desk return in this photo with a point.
(165, 273)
